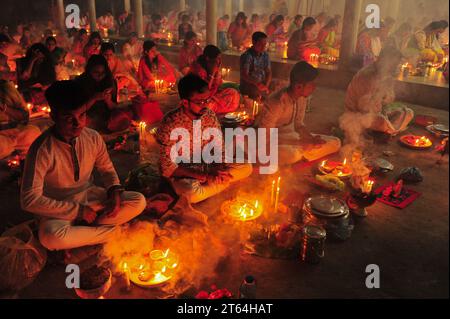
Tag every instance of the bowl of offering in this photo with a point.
(416, 142)
(335, 168)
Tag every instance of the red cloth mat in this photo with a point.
(407, 197)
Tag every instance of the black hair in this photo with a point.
(298, 16)
(156, 17)
(46, 69)
(308, 22)
(4, 38)
(94, 35)
(52, 38)
(277, 19)
(107, 46)
(148, 45)
(302, 73)
(190, 35)
(444, 24)
(243, 17)
(65, 95)
(436, 25)
(191, 84)
(94, 61)
(185, 18)
(258, 36)
(211, 51)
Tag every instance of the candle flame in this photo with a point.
(166, 253)
(344, 162)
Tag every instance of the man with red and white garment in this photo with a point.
(196, 181)
(57, 183)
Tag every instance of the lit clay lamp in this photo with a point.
(359, 200)
(158, 272)
(416, 142)
(337, 169)
(242, 210)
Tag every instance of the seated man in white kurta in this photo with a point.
(371, 93)
(286, 109)
(57, 184)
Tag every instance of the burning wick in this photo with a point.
(255, 109)
(272, 195)
(126, 271)
(368, 185)
(14, 162)
(277, 196)
(143, 130)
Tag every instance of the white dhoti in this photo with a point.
(56, 234)
(197, 192)
(290, 154)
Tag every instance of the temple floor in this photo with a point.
(410, 246)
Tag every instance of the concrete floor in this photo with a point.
(410, 246)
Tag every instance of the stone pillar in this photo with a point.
(229, 8)
(61, 15)
(393, 9)
(182, 5)
(127, 5)
(350, 28)
(293, 8)
(241, 5)
(139, 18)
(92, 15)
(211, 22)
(303, 7)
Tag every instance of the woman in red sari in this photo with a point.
(303, 42)
(153, 66)
(189, 52)
(208, 67)
(239, 32)
(93, 45)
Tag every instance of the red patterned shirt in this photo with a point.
(177, 119)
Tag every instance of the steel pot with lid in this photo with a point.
(331, 213)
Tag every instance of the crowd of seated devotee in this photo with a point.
(81, 76)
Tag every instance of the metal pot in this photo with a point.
(331, 213)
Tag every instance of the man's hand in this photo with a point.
(89, 215)
(113, 203)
